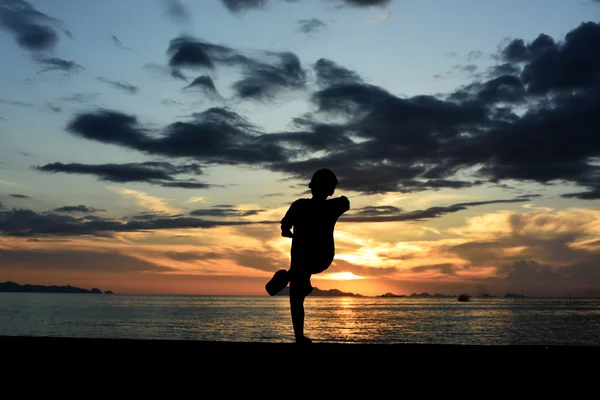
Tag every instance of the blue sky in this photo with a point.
(403, 54)
(416, 47)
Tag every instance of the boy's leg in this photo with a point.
(300, 287)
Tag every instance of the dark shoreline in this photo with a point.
(158, 348)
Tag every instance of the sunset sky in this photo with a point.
(154, 146)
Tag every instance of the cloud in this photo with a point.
(312, 25)
(391, 213)
(263, 75)
(474, 55)
(77, 209)
(74, 260)
(80, 98)
(122, 86)
(53, 108)
(426, 142)
(205, 84)
(216, 135)
(548, 65)
(28, 223)
(165, 71)
(20, 196)
(237, 6)
(177, 11)
(196, 200)
(152, 172)
(482, 133)
(330, 73)
(118, 44)
(48, 64)
(447, 269)
(243, 5)
(271, 195)
(224, 212)
(148, 202)
(32, 29)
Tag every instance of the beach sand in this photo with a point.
(119, 347)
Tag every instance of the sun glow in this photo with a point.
(343, 276)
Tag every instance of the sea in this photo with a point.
(485, 321)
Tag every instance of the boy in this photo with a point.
(313, 247)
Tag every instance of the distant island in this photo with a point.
(338, 293)
(419, 295)
(323, 293)
(12, 287)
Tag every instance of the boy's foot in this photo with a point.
(278, 282)
(303, 340)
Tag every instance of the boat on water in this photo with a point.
(464, 297)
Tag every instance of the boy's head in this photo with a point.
(323, 183)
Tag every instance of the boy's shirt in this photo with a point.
(313, 221)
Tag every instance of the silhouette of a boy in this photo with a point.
(313, 248)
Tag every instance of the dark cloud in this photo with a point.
(156, 173)
(165, 71)
(548, 65)
(188, 52)
(118, 44)
(216, 135)
(263, 81)
(505, 88)
(245, 5)
(177, 11)
(32, 29)
(20, 196)
(28, 223)
(314, 137)
(263, 76)
(537, 125)
(331, 73)
(205, 84)
(423, 142)
(392, 214)
(592, 194)
(378, 210)
(310, 25)
(223, 212)
(122, 86)
(77, 209)
(48, 64)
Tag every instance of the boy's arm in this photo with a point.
(342, 204)
(288, 222)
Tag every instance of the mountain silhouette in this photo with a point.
(13, 287)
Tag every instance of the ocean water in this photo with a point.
(328, 319)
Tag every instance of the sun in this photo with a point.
(342, 276)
